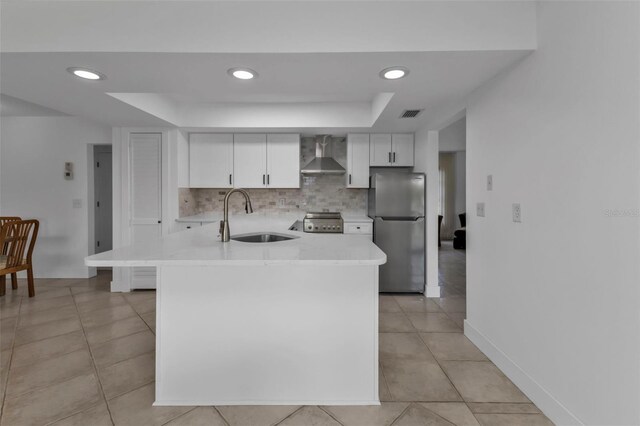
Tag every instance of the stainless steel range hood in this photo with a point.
(324, 162)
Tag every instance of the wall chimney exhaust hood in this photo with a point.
(323, 164)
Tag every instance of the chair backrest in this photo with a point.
(18, 238)
(3, 220)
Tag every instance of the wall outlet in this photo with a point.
(282, 202)
(480, 209)
(490, 183)
(516, 211)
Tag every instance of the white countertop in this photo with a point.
(202, 247)
(292, 217)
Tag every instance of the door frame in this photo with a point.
(98, 148)
(122, 231)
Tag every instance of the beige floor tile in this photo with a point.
(123, 348)
(503, 408)
(83, 297)
(363, 415)
(410, 380)
(383, 389)
(452, 304)
(417, 303)
(31, 305)
(513, 420)
(121, 328)
(135, 408)
(455, 412)
(128, 375)
(90, 288)
(10, 310)
(45, 330)
(458, 318)
(150, 319)
(394, 322)
(50, 293)
(309, 416)
(434, 322)
(7, 332)
(144, 306)
(452, 347)
(201, 416)
(47, 348)
(417, 415)
(407, 346)
(482, 382)
(101, 303)
(52, 403)
(106, 315)
(388, 304)
(48, 372)
(41, 317)
(95, 416)
(255, 415)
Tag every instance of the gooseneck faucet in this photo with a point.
(224, 224)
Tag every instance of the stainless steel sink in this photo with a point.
(263, 237)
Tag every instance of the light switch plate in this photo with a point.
(489, 182)
(480, 209)
(516, 211)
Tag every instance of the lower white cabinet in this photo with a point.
(359, 228)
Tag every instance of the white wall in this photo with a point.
(555, 300)
(460, 168)
(454, 137)
(32, 185)
(426, 161)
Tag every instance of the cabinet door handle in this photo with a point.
(390, 157)
(263, 179)
(229, 178)
(267, 179)
(394, 157)
(349, 179)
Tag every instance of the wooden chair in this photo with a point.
(3, 249)
(18, 237)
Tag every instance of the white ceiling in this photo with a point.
(301, 91)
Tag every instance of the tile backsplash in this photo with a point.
(316, 193)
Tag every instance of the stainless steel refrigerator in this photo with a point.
(397, 207)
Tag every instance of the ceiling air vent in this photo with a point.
(410, 113)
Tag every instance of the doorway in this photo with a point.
(103, 193)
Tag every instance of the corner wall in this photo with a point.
(32, 185)
(555, 300)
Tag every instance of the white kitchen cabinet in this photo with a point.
(250, 160)
(183, 226)
(402, 150)
(283, 161)
(358, 160)
(380, 150)
(359, 228)
(391, 150)
(210, 160)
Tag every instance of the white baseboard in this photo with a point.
(161, 403)
(550, 406)
(432, 291)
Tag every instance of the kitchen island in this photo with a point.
(290, 322)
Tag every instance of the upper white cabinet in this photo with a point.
(402, 150)
(283, 160)
(391, 150)
(358, 160)
(250, 160)
(266, 161)
(210, 160)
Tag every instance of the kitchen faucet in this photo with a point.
(224, 224)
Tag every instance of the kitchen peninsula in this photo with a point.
(286, 322)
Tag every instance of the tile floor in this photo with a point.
(79, 355)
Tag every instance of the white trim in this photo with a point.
(550, 406)
(261, 402)
(432, 291)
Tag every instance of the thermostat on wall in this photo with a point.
(68, 171)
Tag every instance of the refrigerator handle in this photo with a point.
(389, 157)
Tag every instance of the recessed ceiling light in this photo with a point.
(86, 73)
(242, 73)
(394, 73)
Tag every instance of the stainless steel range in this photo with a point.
(323, 222)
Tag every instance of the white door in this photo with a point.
(283, 161)
(380, 149)
(358, 161)
(146, 198)
(210, 160)
(250, 160)
(103, 198)
(402, 150)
